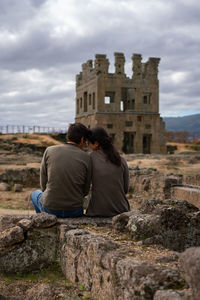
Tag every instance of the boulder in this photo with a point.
(36, 251)
(4, 186)
(174, 224)
(11, 236)
(190, 261)
(25, 224)
(44, 220)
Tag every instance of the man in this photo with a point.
(65, 176)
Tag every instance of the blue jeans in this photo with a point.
(36, 196)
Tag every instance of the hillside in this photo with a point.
(187, 123)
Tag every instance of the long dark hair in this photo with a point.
(98, 134)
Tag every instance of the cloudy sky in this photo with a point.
(44, 42)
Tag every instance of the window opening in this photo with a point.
(107, 100)
(93, 101)
(109, 126)
(77, 106)
(85, 101)
(122, 105)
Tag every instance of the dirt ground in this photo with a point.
(11, 202)
(185, 164)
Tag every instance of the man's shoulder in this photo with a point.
(54, 147)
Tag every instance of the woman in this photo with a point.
(110, 177)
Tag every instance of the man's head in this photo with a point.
(77, 133)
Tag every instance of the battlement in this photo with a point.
(100, 66)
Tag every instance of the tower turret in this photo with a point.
(101, 64)
(119, 63)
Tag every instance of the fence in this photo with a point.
(30, 129)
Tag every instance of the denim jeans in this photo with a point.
(36, 196)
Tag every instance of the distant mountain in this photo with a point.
(187, 123)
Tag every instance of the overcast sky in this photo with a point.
(44, 42)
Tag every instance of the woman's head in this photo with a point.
(100, 140)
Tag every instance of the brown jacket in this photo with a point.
(65, 177)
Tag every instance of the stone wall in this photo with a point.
(149, 183)
(190, 194)
(107, 268)
(29, 177)
(192, 180)
(104, 269)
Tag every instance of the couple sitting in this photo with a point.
(67, 172)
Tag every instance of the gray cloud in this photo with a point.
(43, 44)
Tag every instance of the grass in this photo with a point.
(52, 275)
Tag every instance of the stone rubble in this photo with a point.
(174, 224)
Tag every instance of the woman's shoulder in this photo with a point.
(123, 160)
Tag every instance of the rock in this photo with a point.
(171, 295)
(175, 227)
(142, 226)
(9, 221)
(190, 261)
(149, 205)
(4, 186)
(25, 224)
(74, 222)
(38, 250)
(44, 220)
(120, 221)
(167, 259)
(18, 187)
(140, 280)
(11, 236)
(42, 291)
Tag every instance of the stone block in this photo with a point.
(18, 187)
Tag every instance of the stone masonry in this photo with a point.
(128, 108)
(107, 268)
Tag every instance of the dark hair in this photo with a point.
(76, 131)
(98, 134)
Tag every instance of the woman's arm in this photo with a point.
(43, 172)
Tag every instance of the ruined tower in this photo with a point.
(128, 108)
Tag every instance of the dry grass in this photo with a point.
(14, 200)
(185, 165)
(31, 138)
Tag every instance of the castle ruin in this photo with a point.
(128, 108)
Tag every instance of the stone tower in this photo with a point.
(128, 108)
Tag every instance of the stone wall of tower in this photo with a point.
(120, 104)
